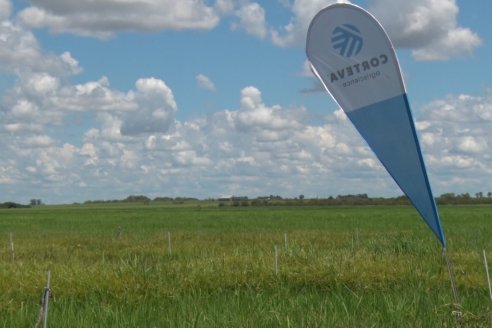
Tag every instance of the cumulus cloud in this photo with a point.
(463, 108)
(131, 142)
(229, 151)
(295, 31)
(252, 19)
(20, 52)
(38, 141)
(205, 83)
(105, 17)
(470, 144)
(156, 108)
(453, 133)
(38, 100)
(224, 6)
(428, 27)
(254, 149)
(270, 123)
(5, 9)
(456, 139)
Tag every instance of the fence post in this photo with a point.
(12, 250)
(169, 249)
(43, 308)
(487, 272)
(276, 259)
(46, 299)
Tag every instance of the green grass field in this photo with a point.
(340, 267)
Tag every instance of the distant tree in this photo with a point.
(12, 205)
(137, 199)
(163, 199)
(449, 195)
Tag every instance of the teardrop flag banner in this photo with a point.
(354, 59)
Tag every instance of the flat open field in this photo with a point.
(111, 266)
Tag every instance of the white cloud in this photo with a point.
(295, 31)
(5, 9)
(130, 142)
(252, 19)
(24, 109)
(255, 149)
(103, 18)
(456, 42)
(156, 109)
(206, 155)
(40, 99)
(270, 123)
(38, 141)
(470, 145)
(92, 96)
(204, 82)
(461, 109)
(456, 138)
(224, 6)
(20, 52)
(428, 27)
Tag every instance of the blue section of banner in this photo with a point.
(388, 128)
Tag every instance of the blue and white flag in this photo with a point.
(354, 59)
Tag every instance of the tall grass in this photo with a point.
(341, 267)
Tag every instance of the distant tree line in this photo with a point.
(301, 200)
(479, 198)
(359, 200)
(466, 198)
(340, 200)
(142, 199)
(12, 205)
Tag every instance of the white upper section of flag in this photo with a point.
(353, 57)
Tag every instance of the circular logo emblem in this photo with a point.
(346, 40)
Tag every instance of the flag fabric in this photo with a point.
(353, 57)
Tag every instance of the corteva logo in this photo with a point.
(346, 39)
(365, 66)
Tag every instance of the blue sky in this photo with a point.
(100, 100)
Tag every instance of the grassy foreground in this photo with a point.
(337, 267)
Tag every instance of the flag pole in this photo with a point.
(452, 277)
